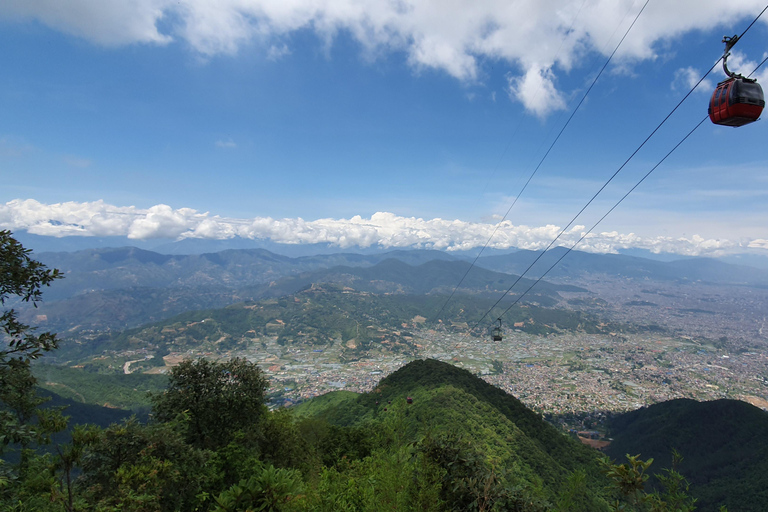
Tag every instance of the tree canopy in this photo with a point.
(22, 278)
(218, 398)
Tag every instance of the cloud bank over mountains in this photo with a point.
(382, 229)
(539, 40)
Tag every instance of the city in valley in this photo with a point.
(607, 335)
(704, 344)
(573, 378)
(568, 376)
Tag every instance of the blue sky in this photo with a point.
(400, 124)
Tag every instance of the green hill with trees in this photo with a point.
(724, 445)
(458, 410)
(460, 444)
(121, 391)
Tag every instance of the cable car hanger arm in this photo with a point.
(729, 43)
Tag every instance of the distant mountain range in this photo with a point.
(127, 267)
(187, 246)
(577, 264)
(127, 287)
(117, 288)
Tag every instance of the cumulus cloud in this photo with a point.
(277, 52)
(758, 243)
(536, 90)
(686, 78)
(382, 229)
(106, 22)
(162, 221)
(536, 38)
(66, 219)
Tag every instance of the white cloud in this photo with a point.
(686, 78)
(65, 219)
(758, 243)
(537, 92)
(382, 229)
(276, 52)
(107, 22)
(740, 64)
(537, 38)
(162, 221)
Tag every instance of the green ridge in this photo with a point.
(451, 403)
(723, 444)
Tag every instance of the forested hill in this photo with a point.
(358, 323)
(147, 287)
(463, 412)
(130, 267)
(433, 277)
(724, 444)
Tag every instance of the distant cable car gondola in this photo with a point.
(738, 100)
(408, 400)
(496, 333)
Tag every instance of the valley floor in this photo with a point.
(576, 379)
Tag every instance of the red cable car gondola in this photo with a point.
(738, 100)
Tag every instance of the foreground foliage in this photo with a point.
(456, 448)
(218, 399)
(723, 443)
(21, 421)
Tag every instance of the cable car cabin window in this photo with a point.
(721, 97)
(749, 93)
(720, 94)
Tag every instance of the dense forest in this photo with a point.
(723, 443)
(212, 445)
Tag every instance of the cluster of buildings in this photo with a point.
(576, 379)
